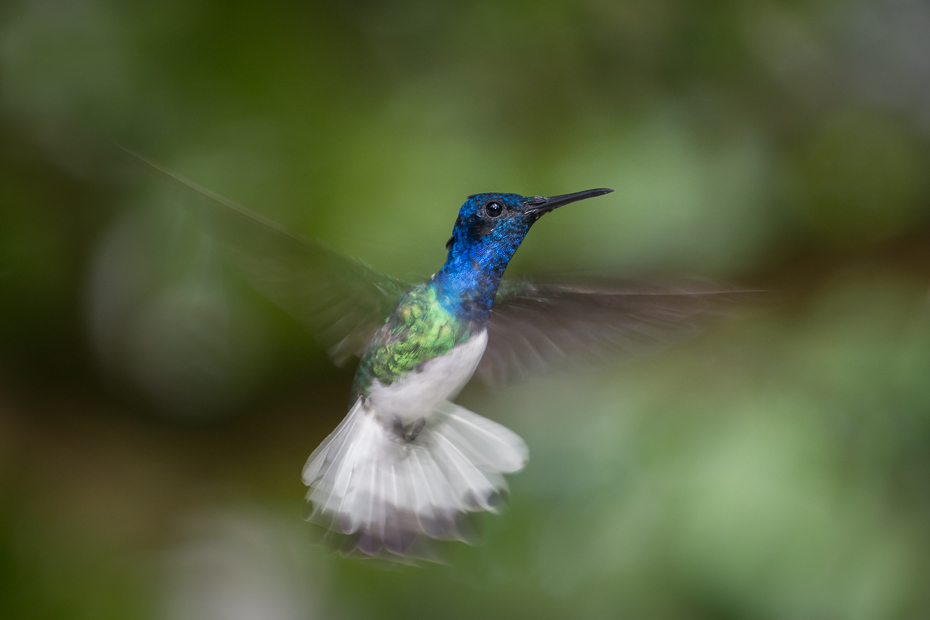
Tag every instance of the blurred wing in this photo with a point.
(341, 301)
(536, 326)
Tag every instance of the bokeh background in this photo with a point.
(155, 411)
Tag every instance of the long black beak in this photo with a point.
(541, 204)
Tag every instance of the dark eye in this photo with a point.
(493, 209)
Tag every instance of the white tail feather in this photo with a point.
(369, 481)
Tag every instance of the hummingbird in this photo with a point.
(406, 460)
(407, 465)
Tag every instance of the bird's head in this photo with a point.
(488, 231)
(495, 224)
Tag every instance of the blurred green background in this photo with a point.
(155, 412)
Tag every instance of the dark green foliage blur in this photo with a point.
(155, 411)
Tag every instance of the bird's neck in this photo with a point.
(468, 281)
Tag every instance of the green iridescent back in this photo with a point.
(418, 330)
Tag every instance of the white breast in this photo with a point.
(418, 393)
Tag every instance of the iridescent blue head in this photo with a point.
(487, 233)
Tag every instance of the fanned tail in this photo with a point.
(388, 491)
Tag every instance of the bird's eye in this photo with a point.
(493, 209)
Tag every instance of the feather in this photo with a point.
(535, 326)
(341, 301)
(388, 494)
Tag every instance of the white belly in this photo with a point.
(415, 395)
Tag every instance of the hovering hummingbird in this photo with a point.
(407, 463)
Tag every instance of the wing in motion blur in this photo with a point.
(341, 301)
(536, 326)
